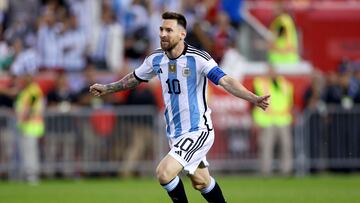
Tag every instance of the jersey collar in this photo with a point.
(183, 52)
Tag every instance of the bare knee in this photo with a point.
(163, 175)
(168, 169)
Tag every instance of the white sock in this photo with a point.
(210, 187)
(172, 184)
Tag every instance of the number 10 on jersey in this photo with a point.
(173, 86)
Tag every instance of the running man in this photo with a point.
(183, 72)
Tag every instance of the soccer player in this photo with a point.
(183, 71)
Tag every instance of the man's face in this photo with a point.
(170, 34)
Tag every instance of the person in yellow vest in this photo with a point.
(275, 122)
(283, 48)
(29, 107)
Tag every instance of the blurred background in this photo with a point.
(305, 53)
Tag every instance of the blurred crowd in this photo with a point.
(340, 88)
(99, 41)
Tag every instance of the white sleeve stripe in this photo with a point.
(199, 54)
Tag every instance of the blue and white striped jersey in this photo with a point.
(184, 87)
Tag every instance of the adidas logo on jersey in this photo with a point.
(159, 71)
(178, 152)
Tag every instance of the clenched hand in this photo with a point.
(98, 90)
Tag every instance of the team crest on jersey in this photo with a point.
(186, 72)
(172, 67)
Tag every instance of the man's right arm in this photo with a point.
(126, 83)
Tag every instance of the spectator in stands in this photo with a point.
(29, 107)
(48, 44)
(197, 30)
(283, 48)
(73, 45)
(106, 43)
(60, 127)
(60, 97)
(313, 94)
(141, 136)
(342, 88)
(22, 29)
(88, 14)
(275, 123)
(223, 36)
(25, 58)
(137, 36)
(332, 91)
(83, 98)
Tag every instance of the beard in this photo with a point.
(168, 45)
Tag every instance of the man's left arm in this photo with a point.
(235, 88)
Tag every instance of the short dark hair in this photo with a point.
(181, 20)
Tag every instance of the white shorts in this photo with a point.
(190, 149)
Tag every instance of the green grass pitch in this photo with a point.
(237, 189)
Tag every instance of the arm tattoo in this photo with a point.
(128, 82)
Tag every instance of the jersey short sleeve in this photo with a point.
(145, 72)
(212, 71)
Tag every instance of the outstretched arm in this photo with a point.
(237, 89)
(126, 83)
